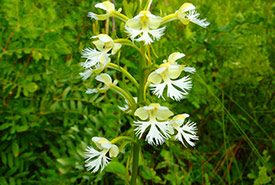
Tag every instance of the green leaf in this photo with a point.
(15, 149)
(31, 87)
(64, 161)
(22, 128)
(5, 125)
(4, 158)
(3, 181)
(117, 168)
(10, 160)
(12, 181)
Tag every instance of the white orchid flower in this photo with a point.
(110, 11)
(165, 75)
(107, 6)
(97, 59)
(144, 24)
(99, 159)
(187, 13)
(157, 117)
(108, 83)
(186, 132)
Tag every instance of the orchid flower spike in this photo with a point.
(165, 75)
(99, 159)
(187, 13)
(186, 132)
(157, 119)
(97, 59)
(108, 84)
(144, 24)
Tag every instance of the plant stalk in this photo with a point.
(135, 163)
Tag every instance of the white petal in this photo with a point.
(157, 33)
(145, 37)
(174, 93)
(193, 16)
(190, 7)
(160, 70)
(106, 5)
(190, 69)
(86, 74)
(134, 23)
(91, 91)
(104, 78)
(175, 56)
(184, 84)
(92, 16)
(116, 47)
(163, 113)
(154, 21)
(90, 153)
(154, 136)
(158, 89)
(104, 38)
(114, 151)
(106, 145)
(95, 160)
(188, 132)
(126, 107)
(133, 32)
(141, 127)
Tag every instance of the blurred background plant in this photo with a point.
(47, 119)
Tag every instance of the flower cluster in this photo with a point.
(170, 79)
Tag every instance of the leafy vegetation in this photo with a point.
(47, 119)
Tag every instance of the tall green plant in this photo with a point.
(167, 80)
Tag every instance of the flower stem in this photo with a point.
(169, 18)
(136, 147)
(120, 16)
(127, 96)
(126, 73)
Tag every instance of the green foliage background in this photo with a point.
(47, 119)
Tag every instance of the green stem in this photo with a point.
(135, 163)
(127, 96)
(126, 73)
(169, 18)
(120, 16)
(122, 138)
(129, 43)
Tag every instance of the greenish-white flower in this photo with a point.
(186, 132)
(187, 13)
(96, 160)
(106, 80)
(166, 75)
(145, 25)
(107, 6)
(97, 59)
(155, 118)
